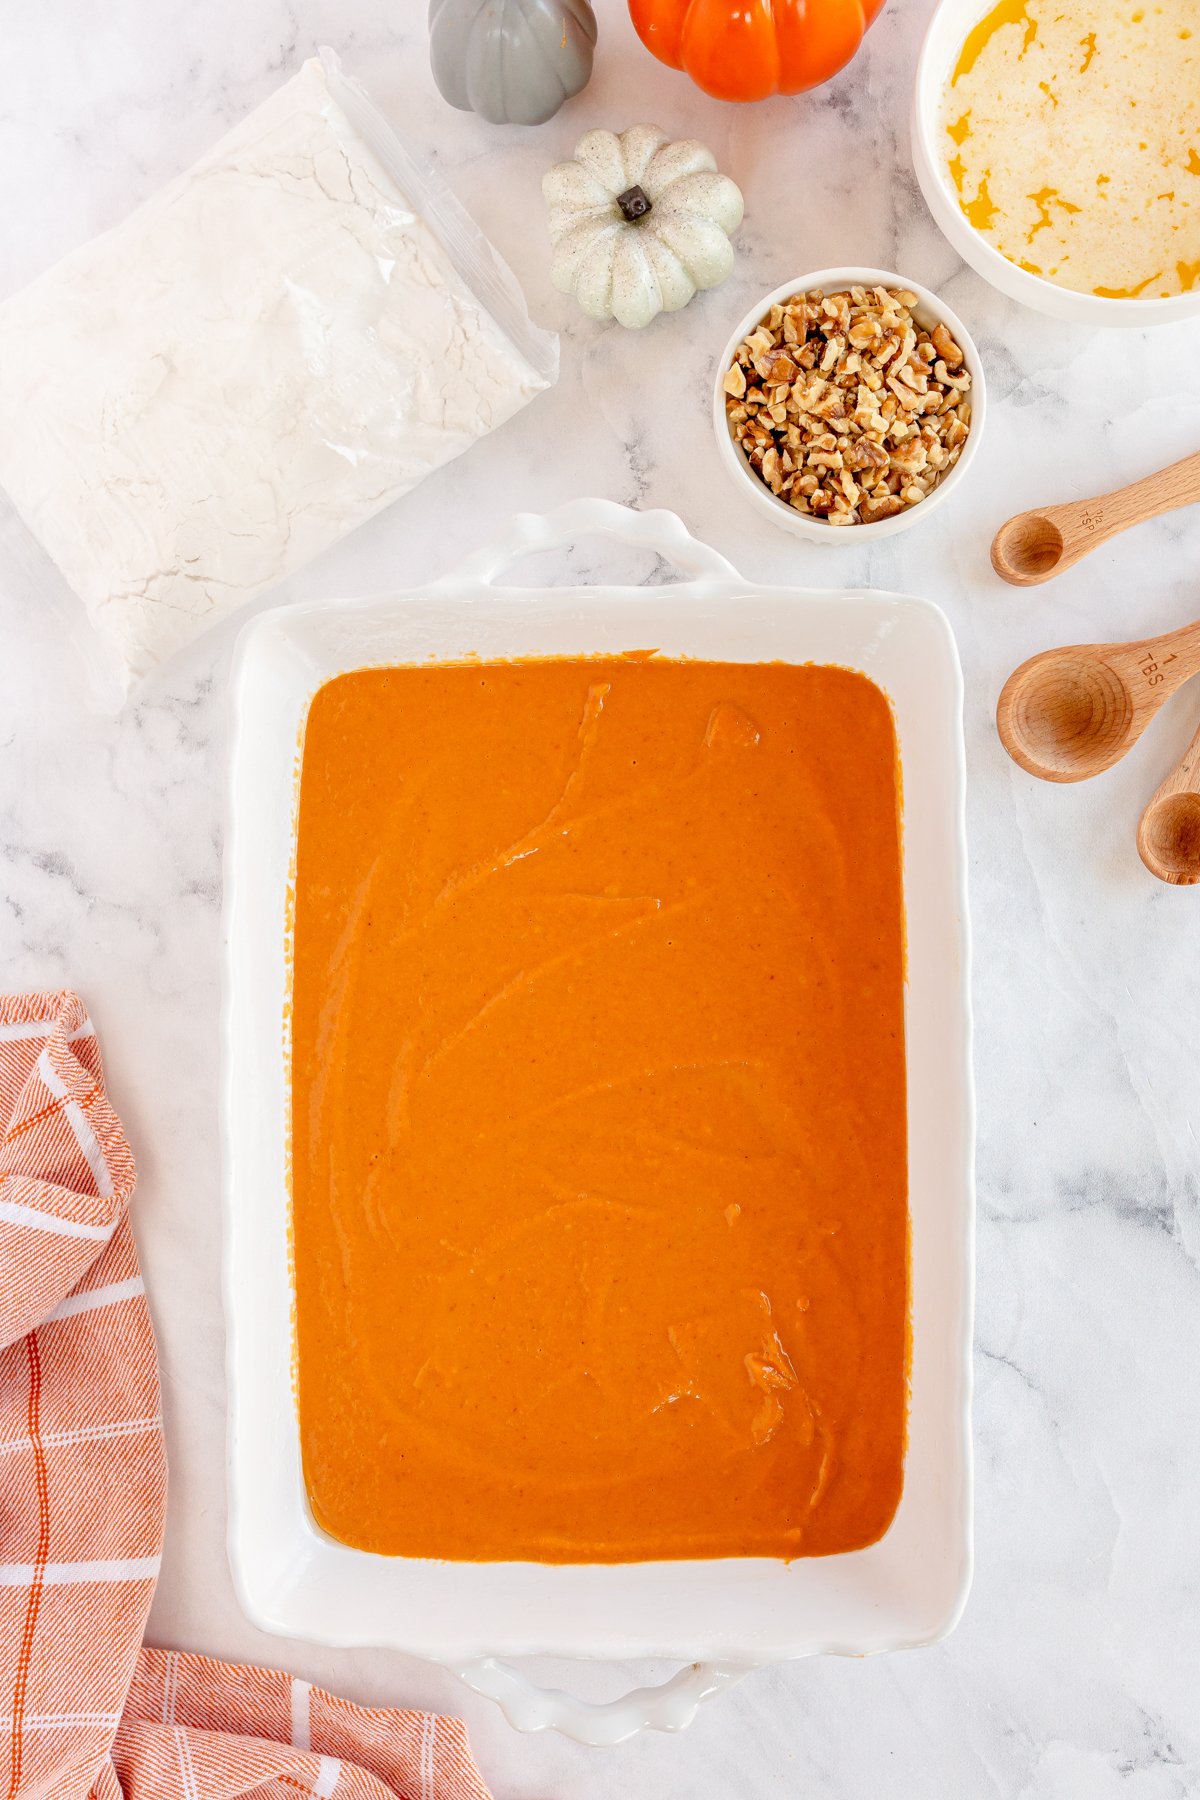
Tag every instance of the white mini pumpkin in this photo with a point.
(637, 223)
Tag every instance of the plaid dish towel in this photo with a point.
(84, 1709)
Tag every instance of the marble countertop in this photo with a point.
(1072, 1675)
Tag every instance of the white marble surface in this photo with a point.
(1073, 1674)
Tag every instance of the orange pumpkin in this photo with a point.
(747, 49)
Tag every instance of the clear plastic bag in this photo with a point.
(269, 351)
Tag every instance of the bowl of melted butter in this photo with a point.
(1057, 143)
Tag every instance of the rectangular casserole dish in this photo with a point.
(905, 1590)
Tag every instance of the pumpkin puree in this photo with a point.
(599, 1162)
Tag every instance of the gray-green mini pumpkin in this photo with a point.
(513, 62)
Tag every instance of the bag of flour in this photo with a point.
(269, 351)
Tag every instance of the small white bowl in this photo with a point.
(943, 42)
(928, 311)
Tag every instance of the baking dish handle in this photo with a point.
(528, 1707)
(660, 531)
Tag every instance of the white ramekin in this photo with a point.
(928, 311)
(943, 41)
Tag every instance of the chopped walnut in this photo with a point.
(946, 348)
(879, 507)
(846, 407)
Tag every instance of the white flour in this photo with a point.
(268, 352)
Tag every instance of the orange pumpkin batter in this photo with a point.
(599, 1163)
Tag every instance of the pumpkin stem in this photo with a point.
(634, 203)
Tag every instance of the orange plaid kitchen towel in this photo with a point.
(84, 1709)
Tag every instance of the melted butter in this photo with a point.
(1130, 293)
(981, 209)
(1042, 200)
(598, 1148)
(1074, 126)
(1005, 12)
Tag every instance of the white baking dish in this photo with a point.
(720, 1616)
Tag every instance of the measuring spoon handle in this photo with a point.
(1086, 523)
(1154, 667)
(1185, 776)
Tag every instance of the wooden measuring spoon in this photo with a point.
(1033, 546)
(1073, 712)
(1168, 833)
